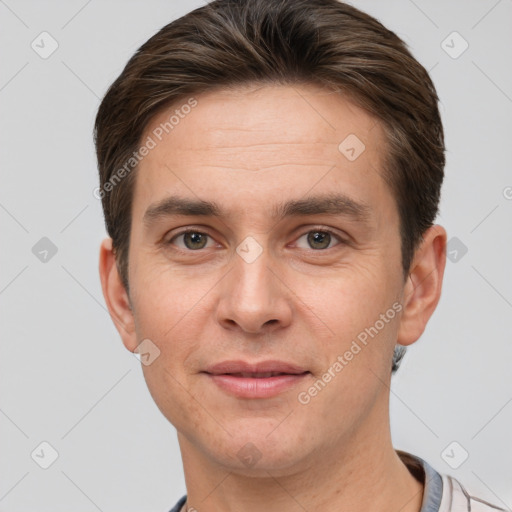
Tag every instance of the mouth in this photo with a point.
(256, 380)
(260, 375)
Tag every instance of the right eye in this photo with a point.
(191, 240)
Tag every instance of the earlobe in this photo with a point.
(422, 290)
(115, 295)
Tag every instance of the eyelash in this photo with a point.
(318, 229)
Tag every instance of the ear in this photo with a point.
(423, 288)
(117, 299)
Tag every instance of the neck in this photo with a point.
(359, 472)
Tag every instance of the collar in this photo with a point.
(428, 476)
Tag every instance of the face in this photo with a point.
(289, 261)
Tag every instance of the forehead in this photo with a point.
(228, 118)
(262, 142)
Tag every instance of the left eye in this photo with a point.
(319, 239)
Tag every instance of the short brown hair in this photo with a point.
(237, 42)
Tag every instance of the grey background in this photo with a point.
(65, 377)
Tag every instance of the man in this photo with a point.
(270, 175)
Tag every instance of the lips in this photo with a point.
(258, 375)
(255, 369)
(255, 380)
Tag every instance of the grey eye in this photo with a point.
(318, 239)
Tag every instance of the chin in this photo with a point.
(259, 451)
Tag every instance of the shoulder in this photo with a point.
(456, 498)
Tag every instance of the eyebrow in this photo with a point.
(330, 204)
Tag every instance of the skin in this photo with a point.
(248, 149)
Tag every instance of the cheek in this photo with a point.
(172, 325)
(169, 390)
(165, 300)
(354, 298)
(166, 312)
(362, 312)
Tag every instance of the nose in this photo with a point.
(253, 298)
